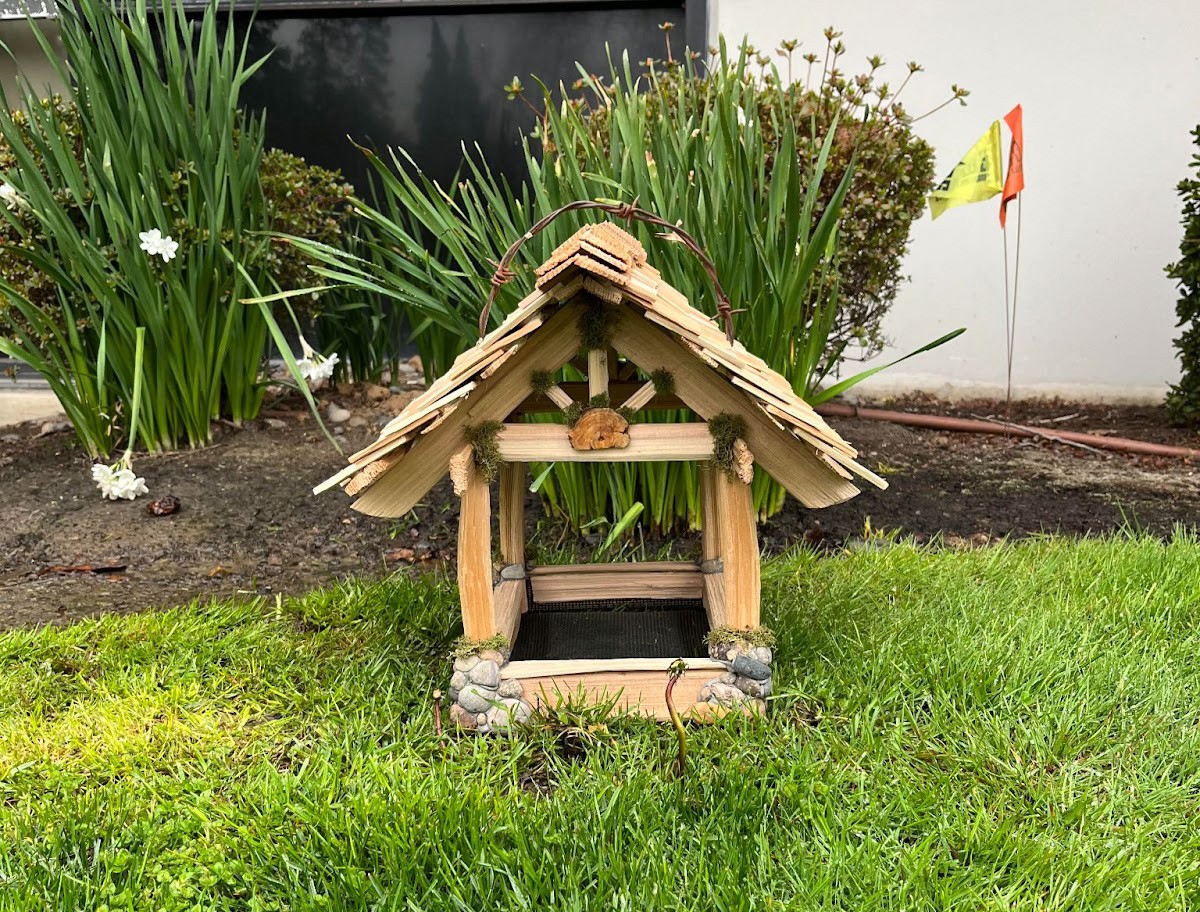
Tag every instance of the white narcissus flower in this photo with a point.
(155, 243)
(10, 197)
(117, 481)
(314, 367)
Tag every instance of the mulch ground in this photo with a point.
(248, 522)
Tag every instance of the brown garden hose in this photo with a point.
(975, 426)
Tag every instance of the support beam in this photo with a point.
(597, 373)
(509, 599)
(739, 551)
(475, 558)
(559, 397)
(641, 397)
(710, 519)
(512, 512)
(792, 463)
(647, 443)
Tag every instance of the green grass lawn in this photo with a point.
(1010, 728)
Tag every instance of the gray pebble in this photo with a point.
(486, 674)
(476, 699)
(744, 665)
(458, 680)
(761, 654)
(466, 663)
(728, 677)
(492, 655)
(511, 688)
(754, 688)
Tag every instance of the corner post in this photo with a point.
(512, 513)
(739, 550)
(475, 555)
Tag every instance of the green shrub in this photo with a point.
(306, 201)
(1184, 398)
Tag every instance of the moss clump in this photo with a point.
(664, 382)
(758, 636)
(462, 647)
(573, 413)
(596, 325)
(627, 414)
(541, 381)
(600, 400)
(482, 438)
(725, 430)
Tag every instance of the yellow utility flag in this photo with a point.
(974, 179)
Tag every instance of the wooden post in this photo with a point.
(710, 519)
(512, 512)
(739, 550)
(475, 558)
(597, 372)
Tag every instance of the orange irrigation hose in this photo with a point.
(975, 426)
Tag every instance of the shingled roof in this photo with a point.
(604, 261)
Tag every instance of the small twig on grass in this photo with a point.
(437, 714)
(674, 673)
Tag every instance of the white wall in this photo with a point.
(27, 56)
(1111, 90)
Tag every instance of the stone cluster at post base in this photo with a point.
(746, 681)
(480, 700)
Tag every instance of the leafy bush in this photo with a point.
(306, 201)
(1184, 398)
(751, 195)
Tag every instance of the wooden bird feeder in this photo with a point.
(551, 630)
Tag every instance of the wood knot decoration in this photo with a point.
(600, 429)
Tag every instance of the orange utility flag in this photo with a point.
(1014, 182)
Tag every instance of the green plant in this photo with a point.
(153, 147)
(751, 195)
(1014, 727)
(1184, 398)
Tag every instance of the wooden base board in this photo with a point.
(647, 580)
(636, 685)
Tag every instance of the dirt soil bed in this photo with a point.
(249, 524)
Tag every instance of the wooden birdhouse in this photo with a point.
(611, 629)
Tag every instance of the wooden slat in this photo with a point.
(618, 390)
(786, 459)
(624, 567)
(647, 443)
(640, 692)
(739, 551)
(509, 601)
(475, 559)
(684, 583)
(535, 668)
(714, 600)
(512, 512)
(400, 489)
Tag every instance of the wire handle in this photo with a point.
(629, 212)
